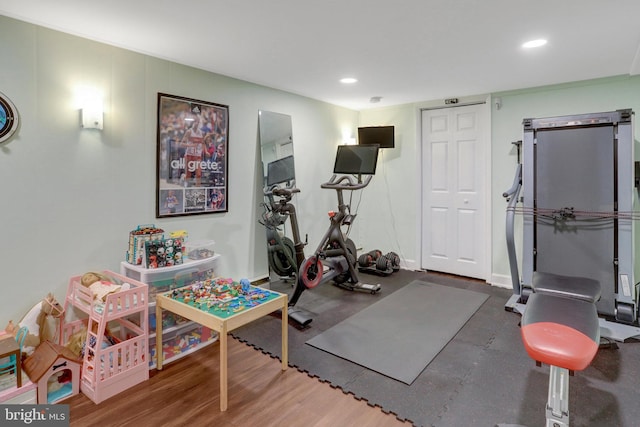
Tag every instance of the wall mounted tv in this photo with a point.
(356, 160)
(383, 136)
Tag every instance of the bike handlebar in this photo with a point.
(285, 191)
(346, 182)
(276, 190)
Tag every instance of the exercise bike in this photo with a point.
(284, 255)
(335, 257)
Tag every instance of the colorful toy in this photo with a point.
(163, 253)
(137, 240)
(56, 371)
(222, 297)
(41, 323)
(99, 284)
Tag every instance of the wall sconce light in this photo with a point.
(92, 115)
(347, 136)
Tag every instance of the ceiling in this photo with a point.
(402, 51)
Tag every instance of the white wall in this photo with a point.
(388, 212)
(71, 196)
(582, 97)
(506, 126)
(392, 216)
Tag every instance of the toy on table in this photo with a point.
(221, 296)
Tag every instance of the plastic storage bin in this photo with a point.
(181, 340)
(168, 278)
(181, 336)
(200, 250)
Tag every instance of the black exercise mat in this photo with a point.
(399, 335)
(428, 399)
(482, 377)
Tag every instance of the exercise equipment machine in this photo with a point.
(285, 256)
(335, 257)
(560, 328)
(336, 251)
(577, 175)
(373, 262)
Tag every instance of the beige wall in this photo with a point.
(70, 196)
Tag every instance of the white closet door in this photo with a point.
(453, 196)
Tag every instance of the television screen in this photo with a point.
(281, 170)
(356, 159)
(384, 136)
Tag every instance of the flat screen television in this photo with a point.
(384, 136)
(281, 170)
(356, 159)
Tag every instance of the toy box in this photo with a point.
(201, 249)
(180, 341)
(163, 253)
(137, 239)
(168, 278)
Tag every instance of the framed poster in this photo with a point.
(192, 146)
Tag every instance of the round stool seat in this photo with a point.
(560, 331)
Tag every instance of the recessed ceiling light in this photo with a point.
(534, 43)
(348, 80)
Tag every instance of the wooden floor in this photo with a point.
(260, 394)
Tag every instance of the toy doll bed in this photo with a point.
(115, 335)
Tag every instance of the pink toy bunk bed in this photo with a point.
(117, 336)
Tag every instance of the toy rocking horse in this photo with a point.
(43, 323)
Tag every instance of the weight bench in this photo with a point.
(560, 327)
(581, 288)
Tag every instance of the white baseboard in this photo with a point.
(501, 281)
(409, 264)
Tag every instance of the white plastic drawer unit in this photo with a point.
(181, 337)
(167, 278)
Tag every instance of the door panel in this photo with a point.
(439, 235)
(453, 196)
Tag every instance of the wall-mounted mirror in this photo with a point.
(279, 215)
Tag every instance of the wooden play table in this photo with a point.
(223, 323)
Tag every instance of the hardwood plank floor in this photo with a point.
(186, 392)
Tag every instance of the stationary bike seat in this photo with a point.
(581, 288)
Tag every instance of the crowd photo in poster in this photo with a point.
(192, 156)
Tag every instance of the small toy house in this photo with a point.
(55, 370)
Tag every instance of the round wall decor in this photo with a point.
(8, 118)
